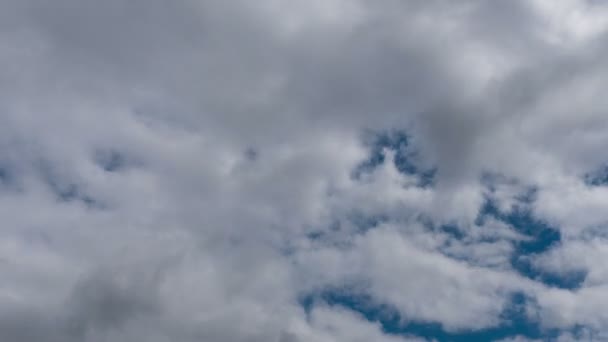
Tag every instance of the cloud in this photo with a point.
(191, 170)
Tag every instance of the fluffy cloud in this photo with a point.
(210, 170)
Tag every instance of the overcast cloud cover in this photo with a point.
(303, 170)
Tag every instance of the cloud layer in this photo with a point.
(303, 171)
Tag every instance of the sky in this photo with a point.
(303, 170)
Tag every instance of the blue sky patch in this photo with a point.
(515, 320)
(542, 237)
(405, 157)
(64, 189)
(598, 177)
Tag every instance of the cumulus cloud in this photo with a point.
(302, 171)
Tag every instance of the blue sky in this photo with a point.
(304, 170)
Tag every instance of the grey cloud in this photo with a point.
(105, 301)
(213, 140)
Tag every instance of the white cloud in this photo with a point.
(237, 127)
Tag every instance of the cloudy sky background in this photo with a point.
(304, 170)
